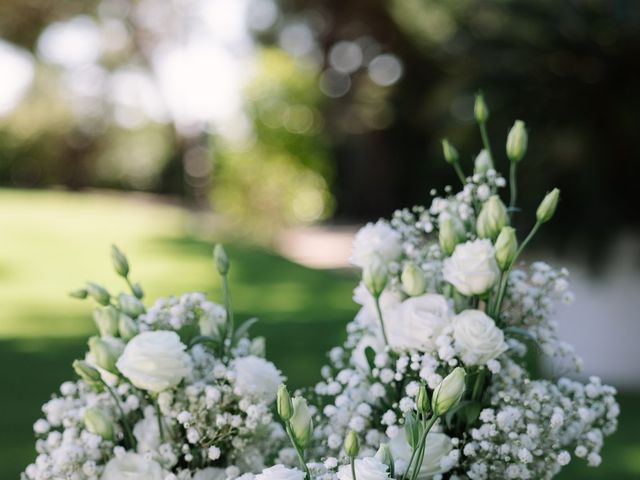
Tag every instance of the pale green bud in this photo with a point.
(517, 142)
(351, 444)
(127, 327)
(548, 206)
(136, 288)
(97, 421)
(423, 405)
(130, 305)
(106, 319)
(506, 248)
(412, 430)
(98, 293)
(301, 422)
(86, 372)
(450, 233)
(221, 259)
(375, 276)
(81, 293)
(211, 324)
(482, 163)
(284, 404)
(413, 281)
(493, 216)
(120, 263)
(258, 346)
(480, 109)
(449, 392)
(450, 152)
(384, 456)
(106, 353)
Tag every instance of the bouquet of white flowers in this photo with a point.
(173, 391)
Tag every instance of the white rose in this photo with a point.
(477, 337)
(155, 361)
(210, 473)
(437, 446)
(132, 466)
(366, 469)
(257, 377)
(376, 239)
(422, 320)
(280, 472)
(472, 268)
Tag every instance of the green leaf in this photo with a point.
(370, 355)
(243, 329)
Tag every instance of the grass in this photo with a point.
(52, 242)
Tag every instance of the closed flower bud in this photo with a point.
(375, 276)
(482, 163)
(449, 392)
(450, 152)
(106, 354)
(97, 421)
(548, 206)
(480, 109)
(130, 305)
(493, 216)
(120, 263)
(384, 456)
(517, 141)
(136, 288)
(127, 327)
(284, 404)
(86, 372)
(301, 422)
(451, 233)
(221, 259)
(422, 400)
(80, 293)
(506, 247)
(351, 444)
(106, 319)
(413, 281)
(258, 346)
(98, 293)
(412, 430)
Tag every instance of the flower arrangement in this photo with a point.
(431, 382)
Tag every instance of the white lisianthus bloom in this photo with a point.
(422, 320)
(472, 268)
(368, 468)
(376, 239)
(131, 466)
(437, 447)
(257, 377)
(155, 361)
(280, 472)
(477, 337)
(210, 473)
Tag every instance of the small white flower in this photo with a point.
(378, 239)
(257, 377)
(280, 472)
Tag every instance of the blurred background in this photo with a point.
(281, 126)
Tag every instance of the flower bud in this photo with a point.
(422, 400)
(120, 263)
(284, 404)
(130, 305)
(136, 288)
(301, 422)
(384, 456)
(482, 163)
(106, 354)
(548, 206)
(451, 233)
(506, 248)
(98, 293)
(221, 259)
(258, 346)
(106, 319)
(351, 444)
(450, 152)
(86, 372)
(97, 421)
(412, 430)
(375, 276)
(517, 142)
(80, 293)
(413, 281)
(127, 327)
(480, 109)
(449, 392)
(493, 216)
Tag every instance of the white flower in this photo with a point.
(256, 377)
(376, 239)
(472, 268)
(437, 447)
(280, 472)
(210, 473)
(132, 466)
(477, 337)
(421, 321)
(155, 361)
(147, 432)
(358, 356)
(366, 469)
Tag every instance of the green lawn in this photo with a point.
(52, 242)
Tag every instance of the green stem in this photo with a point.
(379, 312)
(127, 429)
(159, 416)
(421, 447)
(353, 468)
(298, 451)
(513, 187)
(485, 142)
(458, 169)
(227, 305)
(477, 386)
